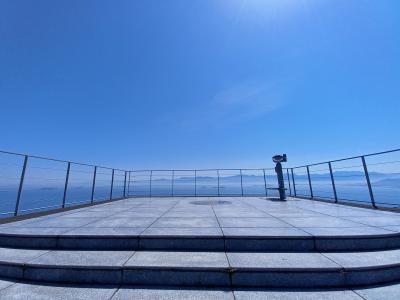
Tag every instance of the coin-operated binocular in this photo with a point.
(279, 159)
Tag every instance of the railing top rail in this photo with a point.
(59, 160)
(201, 170)
(347, 158)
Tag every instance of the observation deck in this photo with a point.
(222, 247)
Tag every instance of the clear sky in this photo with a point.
(199, 83)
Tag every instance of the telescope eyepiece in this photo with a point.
(279, 158)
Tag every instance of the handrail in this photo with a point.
(59, 160)
(347, 158)
(333, 178)
(120, 183)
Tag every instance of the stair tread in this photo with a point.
(202, 260)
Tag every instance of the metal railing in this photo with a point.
(372, 179)
(201, 182)
(30, 183)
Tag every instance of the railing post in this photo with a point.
(294, 183)
(218, 181)
(112, 184)
(241, 181)
(309, 182)
(21, 183)
(195, 183)
(151, 178)
(265, 184)
(333, 182)
(129, 183)
(94, 183)
(66, 184)
(125, 185)
(371, 194)
(172, 183)
(288, 178)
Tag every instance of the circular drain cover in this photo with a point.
(211, 202)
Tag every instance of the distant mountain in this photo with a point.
(388, 182)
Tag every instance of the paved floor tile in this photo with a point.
(5, 283)
(280, 260)
(92, 214)
(295, 295)
(265, 231)
(380, 292)
(122, 222)
(320, 222)
(364, 259)
(84, 258)
(128, 293)
(63, 222)
(36, 230)
(251, 222)
(106, 231)
(392, 228)
(239, 213)
(178, 259)
(179, 231)
(377, 221)
(25, 291)
(186, 222)
(334, 231)
(19, 255)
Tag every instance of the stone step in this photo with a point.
(23, 290)
(223, 269)
(276, 240)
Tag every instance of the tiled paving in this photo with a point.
(234, 216)
(12, 290)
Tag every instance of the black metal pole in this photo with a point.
(172, 183)
(151, 178)
(294, 183)
(112, 184)
(309, 182)
(66, 184)
(218, 181)
(129, 183)
(125, 185)
(333, 182)
(265, 184)
(195, 183)
(288, 178)
(94, 183)
(21, 183)
(371, 194)
(241, 181)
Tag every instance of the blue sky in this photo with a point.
(173, 84)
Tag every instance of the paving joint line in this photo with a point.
(118, 287)
(355, 292)
(139, 236)
(283, 221)
(342, 217)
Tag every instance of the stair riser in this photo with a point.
(203, 277)
(199, 244)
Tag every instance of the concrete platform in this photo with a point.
(209, 223)
(231, 243)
